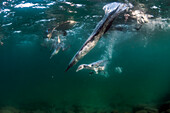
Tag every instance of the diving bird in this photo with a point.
(57, 47)
(112, 10)
(96, 66)
(62, 27)
(1, 37)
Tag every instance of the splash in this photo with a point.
(72, 4)
(45, 20)
(112, 39)
(158, 24)
(17, 32)
(108, 52)
(22, 5)
(36, 5)
(4, 25)
(146, 32)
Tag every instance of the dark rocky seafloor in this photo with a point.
(44, 108)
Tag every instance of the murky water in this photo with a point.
(137, 71)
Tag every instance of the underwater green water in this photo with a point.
(29, 79)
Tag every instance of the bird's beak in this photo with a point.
(77, 70)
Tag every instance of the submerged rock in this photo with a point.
(144, 109)
(9, 110)
(165, 108)
(141, 111)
